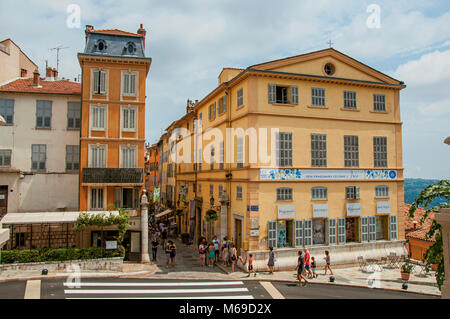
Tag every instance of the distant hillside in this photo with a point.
(413, 186)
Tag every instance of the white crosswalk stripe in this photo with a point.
(157, 290)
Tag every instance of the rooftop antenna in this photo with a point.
(59, 47)
(330, 43)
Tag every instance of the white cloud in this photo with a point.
(436, 109)
(430, 68)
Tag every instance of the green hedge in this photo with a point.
(57, 254)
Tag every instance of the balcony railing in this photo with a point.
(112, 175)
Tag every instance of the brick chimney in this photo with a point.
(88, 29)
(55, 73)
(142, 32)
(49, 72)
(23, 73)
(36, 78)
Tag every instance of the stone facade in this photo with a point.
(114, 264)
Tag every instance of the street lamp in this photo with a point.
(2, 121)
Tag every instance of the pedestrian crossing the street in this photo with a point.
(157, 290)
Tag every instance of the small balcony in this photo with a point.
(112, 176)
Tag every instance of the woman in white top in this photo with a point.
(233, 255)
(202, 251)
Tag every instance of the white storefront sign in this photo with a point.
(286, 211)
(353, 209)
(320, 210)
(313, 174)
(254, 232)
(111, 244)
(384, 207)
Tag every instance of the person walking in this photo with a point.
(215, 242)
(314, 267)
(173, 251)
(225, 252)
(327, 262)
(233, 255)
(211, 255)
(307, 262)
(167, 251)
(271, 262)
(250, 265)
(202, 252)
(300, 268)
(155, 244)
(164, 235)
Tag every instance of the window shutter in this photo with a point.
(214, 110)
(133, 83)
(393, 226)
(277, 147)
(307, 232)
(224, 103)
(332, 231)
(137, 191)
(117, 197)
(102, 82)
(272, 233)
(372, 228)
(209, 112)
(294, 94)
(272, 93)
(96, 73)
(298, 232)
(364, 229)
(341, 230)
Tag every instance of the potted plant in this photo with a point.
(405, 270)
(185, 238)
(179, 212)
(211, 215)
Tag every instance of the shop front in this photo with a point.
(382, 220)
(353, 222)
(319, 224)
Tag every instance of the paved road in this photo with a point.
(133, 288)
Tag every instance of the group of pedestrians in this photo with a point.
(211, 253)
(307, 264)
(159, 235)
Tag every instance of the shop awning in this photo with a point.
(48, 217)
(167, 211)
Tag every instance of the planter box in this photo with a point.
(405, 275)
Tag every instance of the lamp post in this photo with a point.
(145, 258)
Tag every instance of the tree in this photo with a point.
(435, 253)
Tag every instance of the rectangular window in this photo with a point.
(318, 150)
(98, 117)
(5, 158)
(20, 239)
(72, 157)
(240, 97)
(38, 157)
(98, 158)
(73, 115)
(129, 84)
(222, 105)
(350, 100)
(200, 189)
(272, 233)
(352, 192)
(7, 110)
(379, 103)
(393, 227)
(200, 159)
(294, 95)
(381, 191)
(380, 151)
(282, 94)
(211, 190)
(351, 151)
(332, 231)
(284, 193)
(96, 198)
(129, 118)
(307, 232)
(220, 191)
(221, 156)
(240, 152)
(319, 193)
(214, 110)
(238, 192)
(99, 82)
(129, 157)
(43, 114)
(212, 158)
(284, 149)
(318, 97)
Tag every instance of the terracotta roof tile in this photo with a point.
(421, 230)
(116, 32)
(25, 85)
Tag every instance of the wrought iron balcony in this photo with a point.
(112, 175)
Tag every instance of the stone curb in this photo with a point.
(84, 275)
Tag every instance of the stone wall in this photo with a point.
(341, 255)
(114, 264)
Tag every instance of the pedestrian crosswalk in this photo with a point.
(132, 289)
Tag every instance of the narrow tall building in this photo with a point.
(112, 139)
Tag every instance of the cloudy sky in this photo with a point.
(191, 41)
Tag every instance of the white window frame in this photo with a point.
(72, 157)
(240, 97)
(350, 100)
(126, 123)
(128, 148)
(98, 108)
(318, 97)
(90, 198)
(382, 191)
(319, 193)
(39, 160)
(239, 192)
(104, 82)
(105, 160)
(393, 227)
(4, 154)
(126, 89)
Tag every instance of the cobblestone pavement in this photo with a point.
(188, 267)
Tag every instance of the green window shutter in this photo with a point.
(307, 232)
(224, 103)
(393, 227)
(298, 232)
(372, 228)
(332, 231)
(96, 81)
(272, 93)
(341, 230)
(364, 229)
(272, 233)
(294, 94)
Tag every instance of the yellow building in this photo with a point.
(334, 179)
